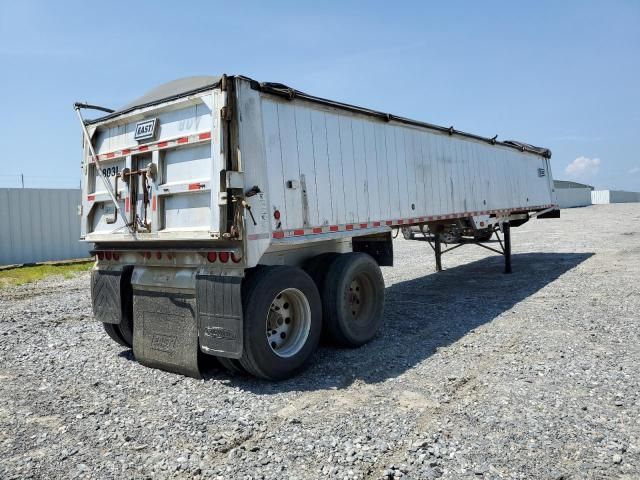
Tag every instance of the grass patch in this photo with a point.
(22, 275)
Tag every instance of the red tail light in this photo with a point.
(100, 255)
(224, 257)
(276, 214)
(107, 255)
(235, 258)
(212, 256)
(116, 256)
(158, 255)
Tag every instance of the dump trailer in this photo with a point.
(241, 220)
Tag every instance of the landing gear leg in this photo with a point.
(506, 233)
(438, 251)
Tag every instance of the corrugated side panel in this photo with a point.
(573, 197)
(40, 225)
(599, 197)
(359, 169)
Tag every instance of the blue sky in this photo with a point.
(563, 75)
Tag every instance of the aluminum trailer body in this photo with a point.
(221, 179)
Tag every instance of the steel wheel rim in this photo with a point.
(359, 297)
(288, 322)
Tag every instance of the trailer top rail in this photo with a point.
(193, 85)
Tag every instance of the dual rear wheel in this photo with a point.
(287, 308)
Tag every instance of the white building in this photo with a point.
(614, 196)
(572, 194)
(40, 224)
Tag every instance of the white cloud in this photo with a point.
(634, 170)
(583, 167)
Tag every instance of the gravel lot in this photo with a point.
(476, 375)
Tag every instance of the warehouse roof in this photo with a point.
(570, 184)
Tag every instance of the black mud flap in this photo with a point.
(219, 307)
(166, 332)
(105, 295)
(551, 214)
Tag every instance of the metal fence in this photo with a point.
(38, 225)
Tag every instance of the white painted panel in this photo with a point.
(384, 181)
(335, 168)
(172, 123)
(102, 211)
(323, 171)
(348, 169)
(360, 174)
(188, 211)
(411, 172)
(307, 163)
(290, 168)
(438, 173)
(109, 169)
(374, 210)
(402, 171)
(186, 164)
(419, 175)
(394, 171)
(275, 172)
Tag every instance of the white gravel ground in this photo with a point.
(476, 375)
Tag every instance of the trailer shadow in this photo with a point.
(424, 314)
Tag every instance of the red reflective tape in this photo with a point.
(162, 144)
(317, 229)
(363, 225)
(111, 155)
(399, 222)
(126, 151)
(349, 226)
(204, 136)
(195, 186)
(376, 224)
(91, 198)
(333, 228)
(278, 234)
(143, 148)
(183, 140)
(153, 203)
(126, 204)
(429, 218)
(410, 220)
(298, 232)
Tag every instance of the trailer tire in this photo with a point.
(122, 333)
(317, 267)
(407, 233)
(282, 321)
(353, 300)
(483, 236)
(115, 334)
(232, 365)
